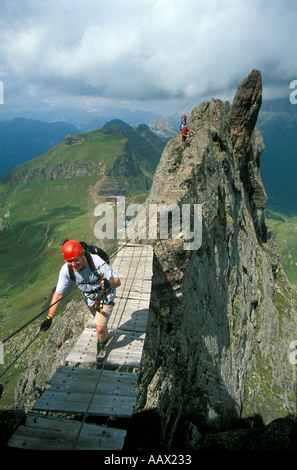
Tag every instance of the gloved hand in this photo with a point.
(46, 324)
(105, 284)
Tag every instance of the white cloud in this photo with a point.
(145, 49)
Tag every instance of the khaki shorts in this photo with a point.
(102, 319)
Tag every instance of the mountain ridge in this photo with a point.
(23, 139)
(47, 198)
(222, 316)
(115, 148)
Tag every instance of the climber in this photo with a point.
(97, 287)
(184, 134)
(184, 120)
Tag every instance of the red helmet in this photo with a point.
(71, 249)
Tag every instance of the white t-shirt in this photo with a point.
(88, 283)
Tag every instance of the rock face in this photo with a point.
(161, 127)
(62, 336)
(215, 372)
(248, 145)
(71, 170)
(223, 316)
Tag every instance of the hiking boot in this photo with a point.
(101, 350)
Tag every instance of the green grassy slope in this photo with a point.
(94, 146)
(284, 222)
(40, 216)
(35, 216)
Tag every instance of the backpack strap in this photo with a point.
(90, 263)
(71, 272)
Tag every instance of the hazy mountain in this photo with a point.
(118, 122)
(23, 139)
(278, 124)
(162, 128)
(87, 119)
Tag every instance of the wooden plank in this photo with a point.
(125, 348)
(128, 271)
(72, 389)
(132, 255)
(136, 285)
(140, 263)
(134, 295)
(134, 323)
(77, 403)
(45, 433)
(131, 265)
(140, 290)
(128, 314)
(78, 380)
(135, 248)
(130, 305)
(68, 373)
(133, 259)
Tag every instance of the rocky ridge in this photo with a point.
(141, 153)
(215, 373)
(223, 316)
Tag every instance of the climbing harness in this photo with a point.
(99, 302)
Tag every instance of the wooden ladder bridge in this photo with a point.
(101, 391)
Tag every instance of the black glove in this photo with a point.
(46, 324)
(106, 284)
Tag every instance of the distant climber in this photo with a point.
(184, 120)
(97, 282)
(184, 134)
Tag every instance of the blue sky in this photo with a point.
(156, 55)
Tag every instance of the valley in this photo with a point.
(49, 198)
(54, 196)
(284, 222)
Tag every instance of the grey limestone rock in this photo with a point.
(218, 335)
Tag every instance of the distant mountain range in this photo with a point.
(85, 120)
(115, 151)
(23, 139)
(64, 173)
(278, 124)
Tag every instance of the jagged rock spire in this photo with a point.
(248, 145)
(244, 113)
(217, 333)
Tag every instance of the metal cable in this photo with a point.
(65, 295)
(35, 337)
(104, 362)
